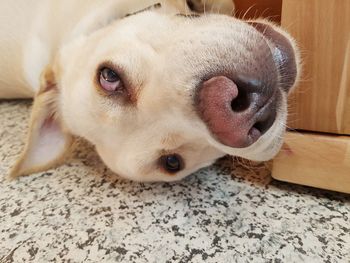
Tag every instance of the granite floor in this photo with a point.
(80, 212)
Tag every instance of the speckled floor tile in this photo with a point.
(80, 212)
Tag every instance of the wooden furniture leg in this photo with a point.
(316, 160)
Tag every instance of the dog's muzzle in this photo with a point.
(239, 107)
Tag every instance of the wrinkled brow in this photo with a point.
(189, 15)
(152, 7)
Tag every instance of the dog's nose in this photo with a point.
(237, 112)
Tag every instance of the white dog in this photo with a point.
(159, 89)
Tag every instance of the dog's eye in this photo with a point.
(172, 163)
(110, 80)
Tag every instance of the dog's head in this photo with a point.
(161, 95)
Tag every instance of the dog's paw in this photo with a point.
(212, 6)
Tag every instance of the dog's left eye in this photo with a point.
(110, 80)
(172, 163)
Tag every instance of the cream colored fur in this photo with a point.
(65, 41)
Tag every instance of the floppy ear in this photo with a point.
(48, 141)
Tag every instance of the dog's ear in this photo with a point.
(48, 141)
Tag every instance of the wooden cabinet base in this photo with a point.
(321, 161)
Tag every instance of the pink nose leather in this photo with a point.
(233, 118)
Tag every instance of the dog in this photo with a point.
(160, 88)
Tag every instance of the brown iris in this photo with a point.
(171, 163)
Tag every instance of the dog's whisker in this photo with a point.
(247, 11)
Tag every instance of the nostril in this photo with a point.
(261, 126)
(241, 102)
(249, 92)
(264, 124)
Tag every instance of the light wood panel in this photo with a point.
(259, 8)
(322, 29)
(315, 160)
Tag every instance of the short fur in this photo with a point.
(163, 57)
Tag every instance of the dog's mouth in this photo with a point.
(283, 53)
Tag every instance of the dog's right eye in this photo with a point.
(110, 80)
